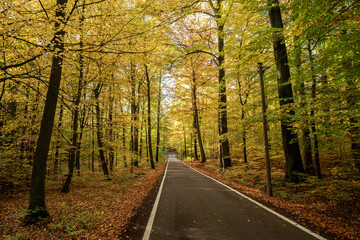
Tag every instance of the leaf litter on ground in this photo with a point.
(94, 208)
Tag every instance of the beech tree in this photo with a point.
(290, 142)
(37, 208)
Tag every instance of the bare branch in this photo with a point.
(22, 63)
(202, 51)
(42, 6)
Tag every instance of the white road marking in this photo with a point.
(149, 225)
(264, 207)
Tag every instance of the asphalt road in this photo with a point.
(193, 206)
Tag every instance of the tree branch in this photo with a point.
(202, 51)
(42, 6)
(22, 63)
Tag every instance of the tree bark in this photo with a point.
(99, 133)
(124, 145)
(185, 148)
(353, 98)
(142, 121)
(196, 119)
(223, 129)
(220, 149)
(244, 139)
(311, 170)
(149, 118)
(78, 147)
(134, 143)
(196, 156)
(158, 123)
(92, 142)
(306, 139)
(123, 139)
(111, 133)
(57, 147)
(72, 151)
(291, 147)
(265, 131)
(74, 139)
(243, 103)
(37, 209)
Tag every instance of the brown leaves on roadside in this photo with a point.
(94, 208)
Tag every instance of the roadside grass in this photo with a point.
(94, 209)
(331, 203)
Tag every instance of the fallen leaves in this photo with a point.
(94, 208)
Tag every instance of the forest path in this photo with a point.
(190, 205)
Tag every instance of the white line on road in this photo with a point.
(153, 211)
(264, 207)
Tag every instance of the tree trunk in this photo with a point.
(141, 120)
(185, 149)
(265, 131)
(81, 86)
(223, 129)
(158, 123)
(244, 139)
(311, 169)
(124, 145)
(221, 159)
(196, 119)
(243, 103)
(57, 147)
(149, 118)
(146, 144)
(78, 147)
(111, 134)
(37, 209)
(196, 157)
(306, 140)
(294, 163)
(74, 139)
(134, 117)
(92, 142)
(72, 151)
(353, 98)
(99, 133)
(123, 139)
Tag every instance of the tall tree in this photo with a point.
(223, 128)
(134, 108)
(149, 117)
(290, 141)
(99, 131)
(196, 117)
(306, 139)
(310, 166)
(111, 132)
(158, 112)
(37, 209)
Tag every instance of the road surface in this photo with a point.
(190, 205)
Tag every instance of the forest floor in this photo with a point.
(94, 208)
(329, 206)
